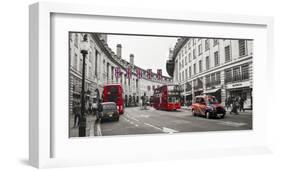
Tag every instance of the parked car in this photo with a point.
(207, 106)
(107, 110)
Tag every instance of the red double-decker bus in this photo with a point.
(167, 97)
(114, 93)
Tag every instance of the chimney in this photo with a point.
(132, 59)
(119, 50)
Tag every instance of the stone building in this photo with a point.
(100, 69)
(219, 67)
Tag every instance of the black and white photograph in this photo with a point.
(124, 84)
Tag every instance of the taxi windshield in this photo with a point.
(212, 100)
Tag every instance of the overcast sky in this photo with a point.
(150, 52)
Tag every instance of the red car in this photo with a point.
(207, 106)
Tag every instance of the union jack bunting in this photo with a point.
(159, 74)
(139, 73)
(129, 72)
(149, 74)
(117, 72)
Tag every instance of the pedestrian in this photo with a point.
(235, 107)
(76, 116)
(241, 104)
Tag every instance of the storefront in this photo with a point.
(242, 91)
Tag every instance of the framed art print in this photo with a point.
(145, 85)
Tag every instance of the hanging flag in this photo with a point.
(117, 72)
(129, 72)
(139, 73)
(159, 74)
(149, 74)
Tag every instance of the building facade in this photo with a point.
(219, 67)
(100, 69)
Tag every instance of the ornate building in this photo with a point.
(100, 69)
(220, 67)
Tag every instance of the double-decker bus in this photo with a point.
(114, 93)
(167, 97)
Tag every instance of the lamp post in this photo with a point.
(84, 50)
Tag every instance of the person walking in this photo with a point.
(235, 106)
(241, 104)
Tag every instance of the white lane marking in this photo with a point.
(168, 130)
(234, 124)
(132, 123)
(164, 129)
(152, 126)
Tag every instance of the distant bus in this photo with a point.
(114, 93)
(167, 97)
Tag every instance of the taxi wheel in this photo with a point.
(208, 115)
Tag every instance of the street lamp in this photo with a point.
(84, 46)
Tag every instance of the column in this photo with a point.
(223, 88)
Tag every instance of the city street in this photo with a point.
(150, 121)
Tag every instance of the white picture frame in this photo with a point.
(42, 145)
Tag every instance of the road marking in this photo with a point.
(164, 129)
(168, 130)
(153, 126)
(230, 123)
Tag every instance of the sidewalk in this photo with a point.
(74, 131)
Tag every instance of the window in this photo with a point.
(228, 76)
(189, 44)
(189, 71)
(182, 75)
(242, 47)
(194, 68)
(182, 63)
(207, 44)
(216, 42)
(189, 57)
(185, 60)
(194, 41)
(148, 88)
(213, 78)
(207, 63)
(200, 66)
(186, 74)
(76, 40)
(194, 54)
(245, 72)
(199, 49)
(216, 56)
(208, 80)
(236, 74)
(218, 78)
(227, 53)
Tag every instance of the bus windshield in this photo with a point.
(173, 99)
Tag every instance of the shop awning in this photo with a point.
(211, 91)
